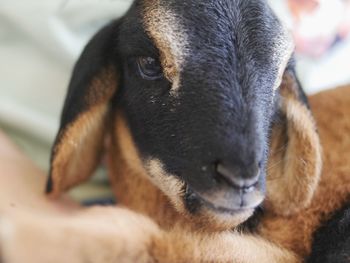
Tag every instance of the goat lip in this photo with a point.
(221, 209)
(236, 206)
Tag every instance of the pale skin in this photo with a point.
(36, 229)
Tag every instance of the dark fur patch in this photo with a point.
(108, 201)
(49, 185)
(251, 225)
(332, 241)
(223, 110)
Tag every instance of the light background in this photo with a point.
(40, 41)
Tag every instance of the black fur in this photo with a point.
(332, 241)
(252, 224)
(224, 107)
(98, 54)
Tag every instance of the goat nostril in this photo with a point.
(233, 178)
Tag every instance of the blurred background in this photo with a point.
(40, 41)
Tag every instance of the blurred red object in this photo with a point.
(297, 7)
(319, 24)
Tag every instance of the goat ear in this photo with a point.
(295, 154)
(79, 142)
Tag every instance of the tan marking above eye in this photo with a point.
(169, 184)
(164, 27)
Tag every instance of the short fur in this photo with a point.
(170, 133)
(286, 192)
(331, 110)
(165, 148)
(332, 241)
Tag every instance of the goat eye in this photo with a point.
(149, 68)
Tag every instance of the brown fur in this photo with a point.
(297, 200)
(296, 203)
(288, 223)
(331, 110)
(118, 234)
(108, 235)
(78, 167)
(295, 161)
(79, 147)
(34, 229)
(134, 189)
(180, 246)
(291, 184)
(128, 176)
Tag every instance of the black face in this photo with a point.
(212, 132)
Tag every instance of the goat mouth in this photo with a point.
(240, 203)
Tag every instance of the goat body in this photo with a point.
(194, 96)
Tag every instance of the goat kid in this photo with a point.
(110, 234)
(189, 93)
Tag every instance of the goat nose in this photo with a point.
(235, 178)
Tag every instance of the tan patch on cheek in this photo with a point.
(169, 184)
(127, 146)
(205, 219)
(169, 35)
(166, 184)
(152, 170)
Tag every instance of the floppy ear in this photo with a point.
(295, 153)
(79, 142)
